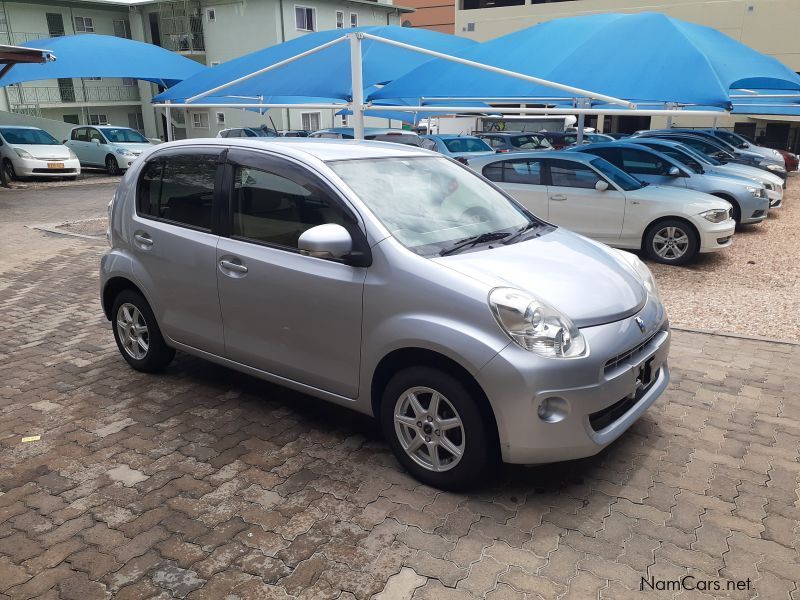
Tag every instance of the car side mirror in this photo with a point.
(674, 171)
(326, 241)
(601, 185)
(96, 141)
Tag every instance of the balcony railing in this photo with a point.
(15, 38)
(181, 24)
(95, 94)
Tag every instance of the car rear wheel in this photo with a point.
(671, 242)
(112, 166)
(137, 334)
(434, 426)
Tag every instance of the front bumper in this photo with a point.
(601, 394)
(714, 236)
(125, 161)
(34, 167)
(754, 209)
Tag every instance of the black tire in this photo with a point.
(157, 355)
(112, 166)
(478, 453)
(8, 169)
(651, 246)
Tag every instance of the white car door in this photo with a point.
(79, 143)
(97, 148)
(522, 178)
(575, 202)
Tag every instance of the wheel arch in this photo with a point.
(659, 220)
(111, 290)
(407, 357)
(737, 208)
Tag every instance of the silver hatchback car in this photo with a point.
(359, 273)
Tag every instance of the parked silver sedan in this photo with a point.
(358, 272)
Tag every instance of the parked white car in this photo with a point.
(32, 152)
(589, 195)
(107, 146)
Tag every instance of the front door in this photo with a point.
(175, 246)
(649, 167)
(292, 315)
(96, 148)
(576, 204)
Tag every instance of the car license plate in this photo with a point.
(55, 165)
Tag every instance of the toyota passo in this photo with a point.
(392, 281)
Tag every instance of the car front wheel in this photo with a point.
(671, 242)
(112, 166)
(8, 168)
(137, 334)
(434, 426)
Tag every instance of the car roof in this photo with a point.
(512, 133)
(583, 157)
(20, 127)
(319, 148)
(448, 136)
(367, 130)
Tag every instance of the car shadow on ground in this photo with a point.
(514, 482)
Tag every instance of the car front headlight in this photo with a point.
(776, 168)
(716, 215)
(124, 152)
(642, 270)
(72, 154)
(754, 191)
(535, 325)
(23, 153)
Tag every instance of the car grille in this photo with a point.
(611, 414)
(613, 363)
(53, 170)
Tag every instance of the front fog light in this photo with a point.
(553, 409)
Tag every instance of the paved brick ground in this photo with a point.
(204, 483)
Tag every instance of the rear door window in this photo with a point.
(566, 173)
(179, 189)
(640, 162)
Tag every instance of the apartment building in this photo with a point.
(769, 26)
(437, 15)
(208, 31)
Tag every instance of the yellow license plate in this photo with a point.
(55, 165)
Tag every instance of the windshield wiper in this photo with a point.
(520, 232)
(474, 241)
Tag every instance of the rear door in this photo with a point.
(174, 241)
(79, 142)
(574, 202)
(524, 180)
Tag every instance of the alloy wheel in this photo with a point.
(671, 243)
(133, 332)
(429, 429)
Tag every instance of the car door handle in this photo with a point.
(232, 266)
(142, 239)
(558, 197)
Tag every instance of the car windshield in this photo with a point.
(530, 142)
(467, 145)
(33, 137)
(123, 135)
(617, 175)
(732, 138)
(430, 203)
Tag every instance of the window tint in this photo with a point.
(466, 145)
(494, 171)
(643, 163)
(277, 206)
(682, 157)
(612, 155)
(179, 189)
(95, 135)
(523, 171)
(428, 144)
(493, 142)
(81, 134)
(565, 173)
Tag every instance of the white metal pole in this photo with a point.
(543, 111)
(581, 122)
(168, 115)
(357, 84)
(471, 63)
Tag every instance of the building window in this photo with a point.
(310, 121)
(55, 24)
(339, 19)
(200, 120)
(353, 20)
(305, 18)
(211, 15)
(98, 119)
(91, 78)
(135, 121)
(344, 120)
(122, 28)
(73, 119)
(213, 63)
(128, 81)
(473, 4)
(84, 24)
(220, 118)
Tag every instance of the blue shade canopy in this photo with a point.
(325, 74)
(92, 55)
(637, 57)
